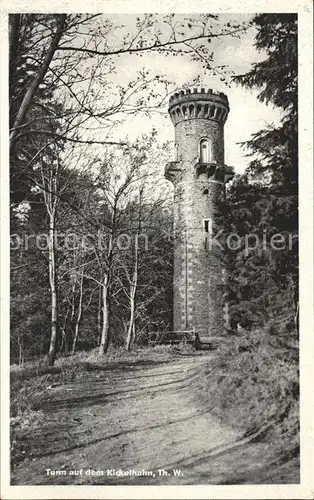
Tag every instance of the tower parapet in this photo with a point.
(198, 103)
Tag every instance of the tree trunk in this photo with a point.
(133, 287)
(131, 329)
(14, 28)
(73, 302)
(105, 337)
(21, 354)
(296, 304)
(53, 289)
(99, 315)
(129, 337)
(79, 314)
(50, 188)
(64, 335)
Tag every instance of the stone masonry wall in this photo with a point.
(198, 280)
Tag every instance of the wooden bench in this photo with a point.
(172, 337)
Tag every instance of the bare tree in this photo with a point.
(79, 311)
(134, 279)
(53, 178)
(50, 181)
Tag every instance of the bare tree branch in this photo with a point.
(154, 46)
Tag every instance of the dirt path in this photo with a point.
(153, 420)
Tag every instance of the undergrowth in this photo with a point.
(253, 383)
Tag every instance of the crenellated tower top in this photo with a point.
(191, 104)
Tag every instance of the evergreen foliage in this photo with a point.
(264, 201)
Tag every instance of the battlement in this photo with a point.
(190, 104)
(199, 91)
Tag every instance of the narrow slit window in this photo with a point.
(206, 225)
(207, 231)
(176, 154)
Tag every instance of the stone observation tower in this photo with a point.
(199, 176)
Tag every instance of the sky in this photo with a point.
(247, 115)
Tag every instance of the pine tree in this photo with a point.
(264, 201)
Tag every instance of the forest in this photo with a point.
(69, 292)
(91, 213)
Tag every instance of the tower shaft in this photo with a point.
(199, 175)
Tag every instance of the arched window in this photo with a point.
(205, 151)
